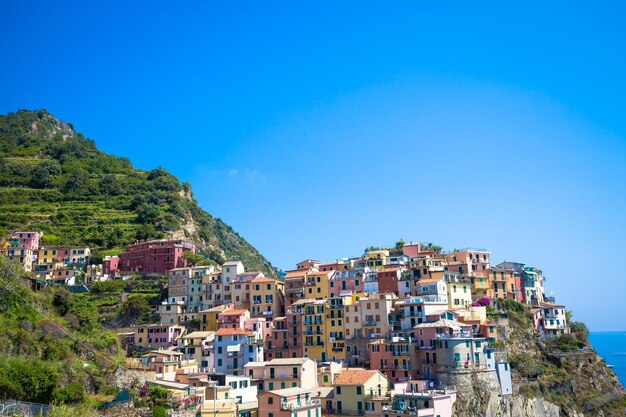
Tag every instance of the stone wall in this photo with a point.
(127, 378)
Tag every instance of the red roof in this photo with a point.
(233, 332)
(237, 312)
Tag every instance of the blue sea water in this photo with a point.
(612, 347)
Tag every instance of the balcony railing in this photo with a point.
(453, 336)
(370, 323)
(298, 406)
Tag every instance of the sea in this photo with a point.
(612, 347)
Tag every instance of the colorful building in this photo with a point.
(357, 389)
(289, 402)
(267, 298)
(155, 256)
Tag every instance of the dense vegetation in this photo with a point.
(52, 347)
(55, 180)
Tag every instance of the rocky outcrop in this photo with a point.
(517, 406)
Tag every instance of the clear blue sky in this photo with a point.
(316, 130)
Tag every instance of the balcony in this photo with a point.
(300, 405)
(418, 412)
(454, 335)
(233, 354)
(370, 323)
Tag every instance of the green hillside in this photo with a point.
(55, 180)
(52, 347)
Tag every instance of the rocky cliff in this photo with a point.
(551, 377)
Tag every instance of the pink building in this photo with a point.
(233, 319)
(157, 335)
(345, 283)
(110, 266)
(277, 345)
(261, 327)
(289, 402)
(411, 249)
(155, 256)
(28, 240)
(395, 357)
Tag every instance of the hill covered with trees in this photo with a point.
(54, 179)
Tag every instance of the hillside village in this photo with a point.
(386, 333)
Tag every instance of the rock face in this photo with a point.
(517, 406)
(548, 381)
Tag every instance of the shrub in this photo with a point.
(159, 411)
(65, 410)
(70, 394)
(157, 392)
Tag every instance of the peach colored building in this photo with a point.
(468, 261)
(294, 285)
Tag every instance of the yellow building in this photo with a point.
(376, 259)
(316, 284)
(315, 329)
(267, 298)
(208, 318)
(358, 390)
(336, 328)
(459, 290)
(482, 285)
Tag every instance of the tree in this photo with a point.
(195, 260)
(135, 309)
(400, 243)
(85, 311)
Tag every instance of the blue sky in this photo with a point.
(316, 130)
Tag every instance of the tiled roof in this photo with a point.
(194, 335)
(233, 332)
(296, 273)
(234, 312)
(217, 309)
(354, 376)
(429, 280)
(442, 323)
(288, 361)
(263, 279)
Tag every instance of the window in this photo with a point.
(338, 390)
(270, 400)
(359, 391)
